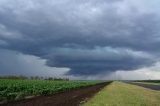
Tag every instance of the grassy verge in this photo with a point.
(122, 94)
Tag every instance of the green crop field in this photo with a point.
(19, 89)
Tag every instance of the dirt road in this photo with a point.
(150, 86)
(70, 98)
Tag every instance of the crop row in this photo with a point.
(19, 89)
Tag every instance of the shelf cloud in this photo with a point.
(90, 37)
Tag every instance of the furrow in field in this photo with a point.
(70, 98)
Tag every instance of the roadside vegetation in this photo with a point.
(11, 90)
(122, 94)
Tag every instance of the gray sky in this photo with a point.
(91, 39)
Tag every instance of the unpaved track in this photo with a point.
(70, 98)
(150, 86)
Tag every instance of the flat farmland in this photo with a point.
(76, 93)
(13, 90)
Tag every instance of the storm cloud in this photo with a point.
(88, 36)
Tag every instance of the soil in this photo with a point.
(150, 86)
(70, 98)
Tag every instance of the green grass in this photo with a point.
(11, 90)
(122, 94)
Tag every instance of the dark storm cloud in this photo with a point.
(98, 60)
(87, 36)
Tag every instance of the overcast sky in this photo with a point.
(80, 39)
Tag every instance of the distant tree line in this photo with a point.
(21, 77)
(14, 77)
